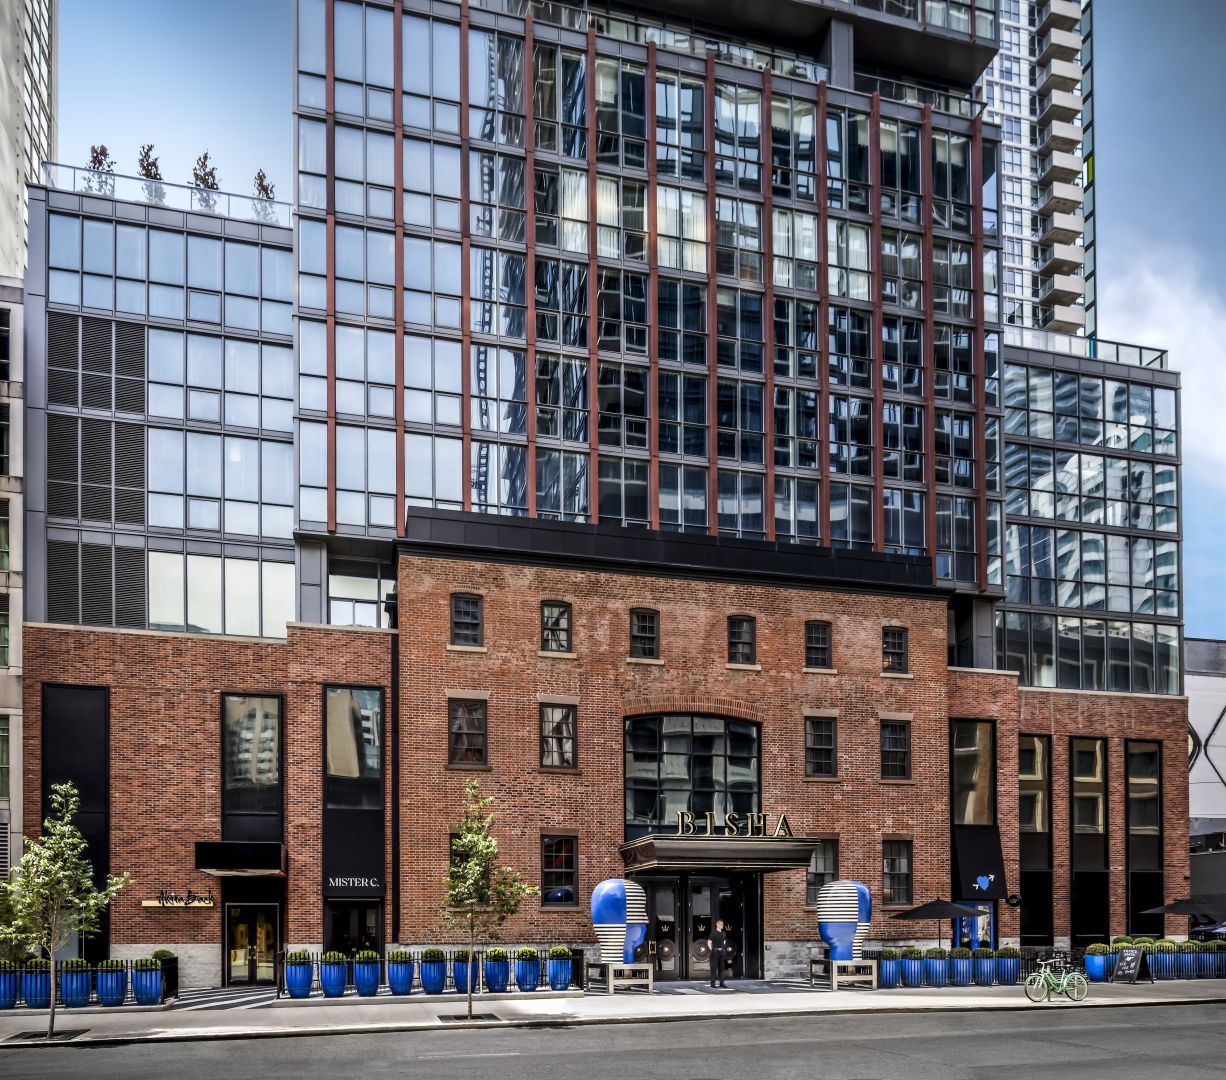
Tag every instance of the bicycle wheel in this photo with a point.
(1076, 986)
(1036, 987)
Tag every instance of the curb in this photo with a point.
(129, 1039)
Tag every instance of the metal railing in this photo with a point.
(943, 101)
(479, 957)
(1090, 347)
(161, 193)
(79, 987)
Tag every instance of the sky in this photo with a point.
(189, 78)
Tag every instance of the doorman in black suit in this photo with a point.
(718, 944)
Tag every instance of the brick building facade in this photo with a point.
(166, 759)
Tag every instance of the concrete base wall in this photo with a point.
(199, 964)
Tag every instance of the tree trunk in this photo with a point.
(51, 1013)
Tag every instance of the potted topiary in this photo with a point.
(912, 966)
(333, 970)
(400, 971)
(433, 971)
(936, 966)
(960, 967)
(527, 968)
(984, 965)
(74, 983)
(1188, 959)
(559, 968)
(112, 983)
(366, 972)
(36, 983)
(887, 969)
(1162, 959)
(1008, 965)
(298, 973)
(464, 969)
(497, 970)
(10, 983)
(1121, 939)
(1096, 961)
(147, 980)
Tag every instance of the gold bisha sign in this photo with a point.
(169, 898)
(690, 824)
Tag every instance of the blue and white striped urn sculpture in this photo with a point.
(844, 910)
(619, 917)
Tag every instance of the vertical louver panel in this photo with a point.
(96, 451)
(62, 461)
(130, 350)
(96, 345)
(95, 391)
(63, 582)
(96, 504)
(130, 587)
(62, 387)
(96, 587)
(130, 395)
(63, 336)
(130, 455)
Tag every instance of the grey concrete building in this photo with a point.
(1206, 687)
(12, 422)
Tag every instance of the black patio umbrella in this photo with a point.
(1189, 906)
(938, 910)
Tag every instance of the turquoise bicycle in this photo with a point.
(1072, 984)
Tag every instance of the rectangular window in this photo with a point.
(894, 650)
(742, 643)
(895, 750)
(251, 754)
(820, 746)
(4, 440)
(467, 620)
(896, 872)
(467, 742)
(645, 634)
(5, 353)
(556, 624)
(972, 772)
(558, 745)
(817, 644)
(823, 869)
(559, 871)
(354, 746)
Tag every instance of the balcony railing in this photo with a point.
(167, 195)
(1092, 348)
(943, 101)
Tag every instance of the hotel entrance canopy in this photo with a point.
(233, 858)
(740, 853)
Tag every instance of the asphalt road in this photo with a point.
(1163, 1043)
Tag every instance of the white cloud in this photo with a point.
(1167, 301)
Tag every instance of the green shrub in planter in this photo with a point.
(527, 968)
(1008, 965)
(1096, 961)
(887, 969)
(433, 970)
(400, 971)
(1143, 942)
(558, 969)
(112, 983)
(936, 966)
(333, 970)
(1121, 939)
(162, 954)
(299, 973)
(984, 964)
(497, 970)
(147, 980)
(367, 969)
(912, 965)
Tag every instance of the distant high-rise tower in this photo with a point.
(1033, 89)
(28, 30)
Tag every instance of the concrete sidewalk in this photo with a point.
(678, 1002)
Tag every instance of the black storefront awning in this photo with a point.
(979, 866)
(234, 858)
(717, 853)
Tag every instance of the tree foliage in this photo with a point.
(264, 188)
(204, 180)
(147, 165)
(51, 893)
(101, 175)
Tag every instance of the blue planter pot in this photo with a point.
(960, 971)
(112, 988)
(1186, 965)
(400, 978)
(935, 971)
(1112, 960)
(1220, 958)
(332, 979)
(366, 977)
(527, 974)
(147, 986)
(1009, 970)
(1096, 968)
(10, 983)
(433, 976)
(887, 974)
(74, 988)
(985, 970)
(298, 978)
(912, 972)
(36, 989)
(1206, 964)
(465, 973)
(497, 976)
(1162, 964)
(559, 973)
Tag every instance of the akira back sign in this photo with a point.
(769, 826)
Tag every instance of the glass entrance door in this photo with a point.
(681, 913)
(663, 943)
(252, 940)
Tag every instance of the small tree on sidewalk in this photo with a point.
(481, 894)
(51, 893)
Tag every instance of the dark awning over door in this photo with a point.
(235, 858)
(979, 866)
(717, 853)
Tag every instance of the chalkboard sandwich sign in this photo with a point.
(1131, 965)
